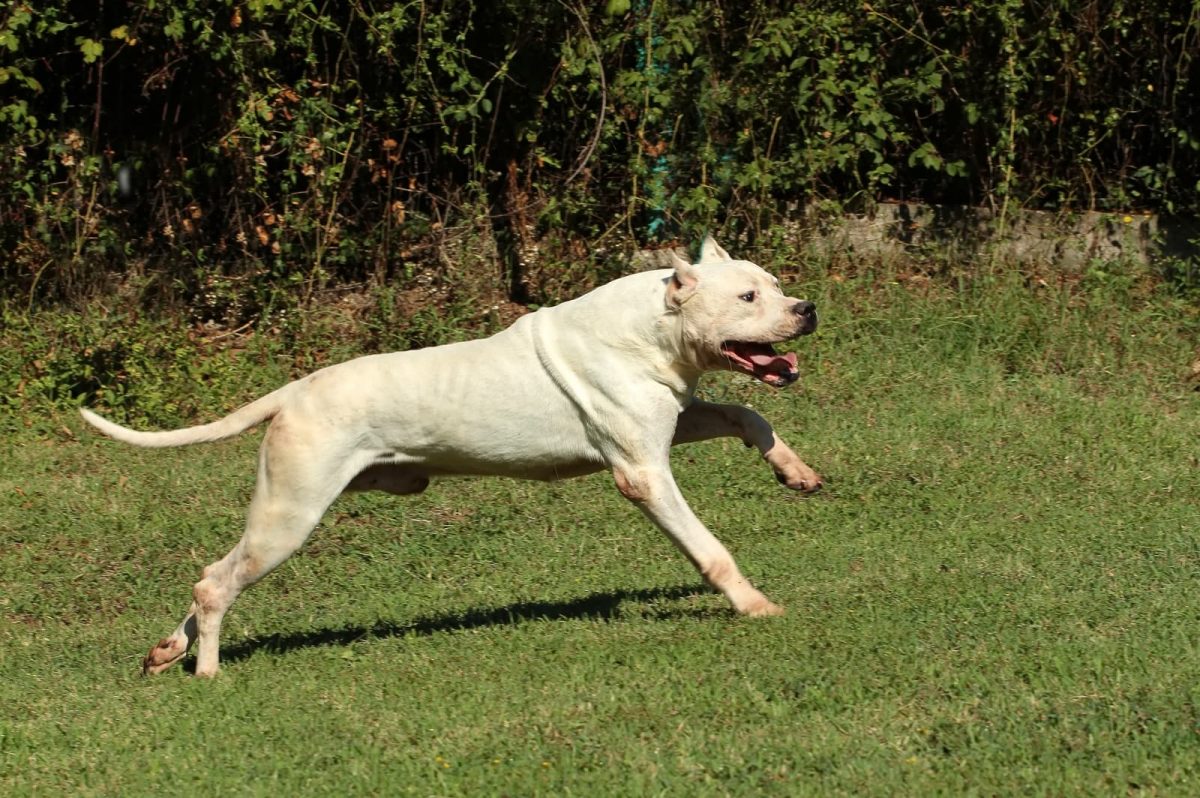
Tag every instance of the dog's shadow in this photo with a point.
(603, 606)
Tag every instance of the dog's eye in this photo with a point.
(748, 296)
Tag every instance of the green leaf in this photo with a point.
(175, 28)
(90, 48)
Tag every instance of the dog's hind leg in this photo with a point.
(655, 493)
(290, 497)
(274, 530)
(702, 421)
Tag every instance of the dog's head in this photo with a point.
(733, 312)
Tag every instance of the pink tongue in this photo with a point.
(774, 362)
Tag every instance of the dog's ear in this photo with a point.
(711, 252)
(682, 284)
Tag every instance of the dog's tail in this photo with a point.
(236, 422)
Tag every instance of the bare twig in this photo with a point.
(590, 149)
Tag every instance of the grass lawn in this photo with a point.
(996, 594)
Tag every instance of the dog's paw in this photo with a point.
(165, 653)
(791, 471)
(767, 609)
(808, 481)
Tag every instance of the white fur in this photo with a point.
(605, 381)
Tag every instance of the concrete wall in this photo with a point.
(900, 231)
(1067, 241)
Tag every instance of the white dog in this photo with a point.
(605, 381)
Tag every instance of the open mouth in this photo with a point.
(761, 361)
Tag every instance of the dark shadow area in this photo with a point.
(603, 606)
(1178, 254)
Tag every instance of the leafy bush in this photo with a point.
(239, 155)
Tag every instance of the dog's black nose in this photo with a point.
(807, 312)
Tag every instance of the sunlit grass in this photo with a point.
(996, 593)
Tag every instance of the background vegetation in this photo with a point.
(238, 155)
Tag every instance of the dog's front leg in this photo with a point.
(653, 490)
(702, 421)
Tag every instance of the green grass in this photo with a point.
(995, 595)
